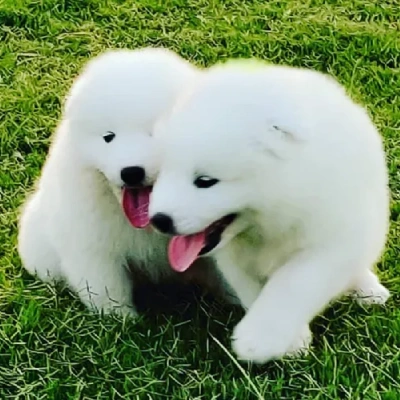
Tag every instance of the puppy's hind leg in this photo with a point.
(37, 255)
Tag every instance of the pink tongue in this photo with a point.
(183, 250)
(135, 203)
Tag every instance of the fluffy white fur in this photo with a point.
(73, 226)
(304, 168)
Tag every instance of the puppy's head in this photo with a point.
(220, 155)
(111, 111)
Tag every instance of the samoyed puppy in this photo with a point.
(282, 177)
(79, 224)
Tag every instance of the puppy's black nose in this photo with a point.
(163, 223)
(133, 176)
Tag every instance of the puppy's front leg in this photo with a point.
(102, 283)
(277, 323)
(246, 287)
(368, 290)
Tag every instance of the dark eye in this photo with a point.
(109, 136)
(204, 182)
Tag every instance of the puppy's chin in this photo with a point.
(237, 227)
(225, 239)
(241, 224)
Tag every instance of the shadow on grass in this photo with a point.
(178, 326)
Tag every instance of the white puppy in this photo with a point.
(284, 177)
(73, 227)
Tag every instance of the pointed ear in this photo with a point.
(73, 92)
(278, 141)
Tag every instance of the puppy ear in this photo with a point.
(278, 141)
(70, 97)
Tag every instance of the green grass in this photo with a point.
(50, 347)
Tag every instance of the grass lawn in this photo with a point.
(50, 347)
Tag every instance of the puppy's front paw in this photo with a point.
(45, 275)
(110, 307)
(260, 344)
(301, 344)
(368, 290)
(375, 294)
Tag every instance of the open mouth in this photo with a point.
(183, 250)
(135, 202)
